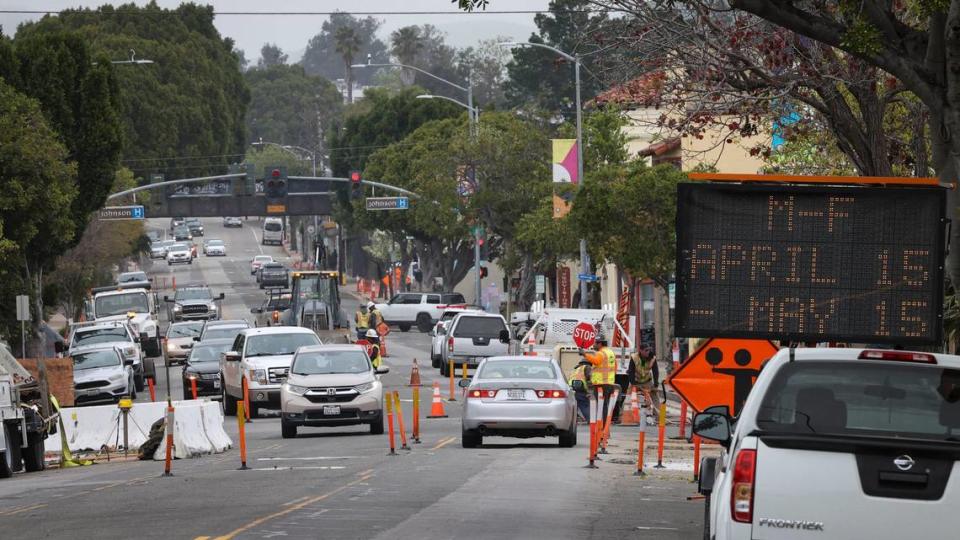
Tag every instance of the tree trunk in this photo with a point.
(662, 331)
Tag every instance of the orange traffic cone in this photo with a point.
(531, 341)
(631, 409)
(415, 374)
(436, 410)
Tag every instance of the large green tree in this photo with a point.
(190, 102)
(322, 58)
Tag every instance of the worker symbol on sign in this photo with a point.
(742, 376)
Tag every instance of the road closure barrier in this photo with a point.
(452, 371)
(416, 413)
(641, 446)
(389, 399)
(415, 374)
(403, 431)
(661, 432)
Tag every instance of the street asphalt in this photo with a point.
(341, 483)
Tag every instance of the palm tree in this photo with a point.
(407, 44)
(348, 45)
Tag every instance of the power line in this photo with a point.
(320, 13)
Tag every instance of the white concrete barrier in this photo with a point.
(198, 428)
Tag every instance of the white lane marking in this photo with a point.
(305, 458)
(310, 467)
(657, 529)
(257, 240)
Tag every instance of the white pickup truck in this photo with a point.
(421, 309)
(261, 358)
(473, 336)
(838, 443)
(137, 306)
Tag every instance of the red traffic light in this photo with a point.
(355, 176)
(275, 173)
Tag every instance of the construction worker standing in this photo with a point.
(604, 362)
(580, 382)
(375, 317)
(362, 320)
(645, 380)
(374, 339)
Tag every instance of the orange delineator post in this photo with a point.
(593, 434)
(683, 419)
(403, 430)
(246, 398)
(193, 387)
(241, 411)
(169, 429)
(416, 414)
(153, 391)
(662, 429)
(641, 444)
(390, 425)
(452, 370)
(696, 457)
(599, 426)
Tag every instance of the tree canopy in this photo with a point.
(322, 57)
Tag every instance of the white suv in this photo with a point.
(420, 309)
(473, 336)
(838, 443)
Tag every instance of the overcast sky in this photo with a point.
(291, 32)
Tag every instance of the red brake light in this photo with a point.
(551, 394)
(450, 344)
(744, 476)
(479, 394)
(898, 356)
(275, 173)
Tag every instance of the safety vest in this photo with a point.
(363, 320)
(606, 371)
(644, 370)
(579, 374)
(375, 356)
(375, 318)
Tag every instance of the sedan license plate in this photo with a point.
(516, 394)
(331, 410)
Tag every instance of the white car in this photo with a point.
(97, 335)
(232, 222)
(838, 443)
(471, 337)
(421, 309)
(438, 336)
(179, 254)
(259, 261)
(214, 248)
(102, 374)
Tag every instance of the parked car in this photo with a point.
(195, 226)
(179, 254)
(471, 337)
(518, 396)
(203, 366)
(422, 309)
(214, 248)
(273, 274)
(261, 357)
(232, 221)
(258, 261)
(180, 340)
(182, 233)
(847, 443)
(158, 250)
(194, 302)
(331, 385)
(102, 374)
(438, 336)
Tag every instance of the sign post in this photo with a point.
(584, 335)
(23, 315)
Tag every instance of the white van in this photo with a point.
(272, 231)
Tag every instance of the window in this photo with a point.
(184, 330)
(101, 335)
(226, 332)
(193, 294)
(272, 226)
(453, 298)
(207, 353)
(96, 359)
(238, 344)
(485, 327)
(121, 304)
(518, 369)
(409, 299)
(847, 398)
(330, 362)
(278, 344)
(433, 298)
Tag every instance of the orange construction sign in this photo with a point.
(721, 372)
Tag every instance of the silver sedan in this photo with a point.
(519, 396)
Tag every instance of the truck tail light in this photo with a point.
(744, 477)
(551, 394)
(482, 394)
(450, 344)
(898, 356)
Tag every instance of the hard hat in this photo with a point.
(371, 305)
(601, 337)
(371, 333)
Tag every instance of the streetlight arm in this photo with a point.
(415, 68)
(541, 45)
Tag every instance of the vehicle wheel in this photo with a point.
(376, 427)
(706, 517)
(132, 389)
(254, 411)
(6, 457)
(149, 369)
(190, 261)
(424, 324)
(261, 285)
(33, 458)
(434, 361)
(444, 368)
(187, 395)
(404, 327)
(568, 439)
(288, 431)
(138, 381)
(229, 403)
(471, 439)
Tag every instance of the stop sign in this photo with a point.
(584, 335)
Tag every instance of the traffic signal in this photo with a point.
(356, 188)
(275, 183)
(483, 272)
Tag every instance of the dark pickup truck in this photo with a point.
(274, 275)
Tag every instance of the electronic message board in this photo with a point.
(810, 263)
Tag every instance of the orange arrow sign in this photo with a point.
(721, 372)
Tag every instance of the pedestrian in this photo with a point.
(374, 348)
(626, 375)
(603, 375)
(580, 382)
(646, 382)
(362, 320)
(375, 316)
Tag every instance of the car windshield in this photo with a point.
(178, 247)
(96, 359)
(488, 327)
(100, 335)
(330, 362)
(272, 227)
(262, 258)
(866, 399)
(121, 304)
(278, 344)
(207, 352)
(225, 332)
(214, 242)
(518, 369)
(190, 329)
(132, 277)
(193, 294)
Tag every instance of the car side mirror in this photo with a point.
(136, 339)
(442, 330)
(187, 345)
(382, 370)
(59, 347)
(714, 426)
(463, 383)
(231, 356)
(128, 361)
(196, 338)
(221, 297)
(504, 336)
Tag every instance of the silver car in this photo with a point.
(518, 396)
(214, 248)
(180, 340)
(102, 375)
(331, 385)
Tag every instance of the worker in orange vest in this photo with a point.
(604, 373)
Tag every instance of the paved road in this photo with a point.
(340, 483)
